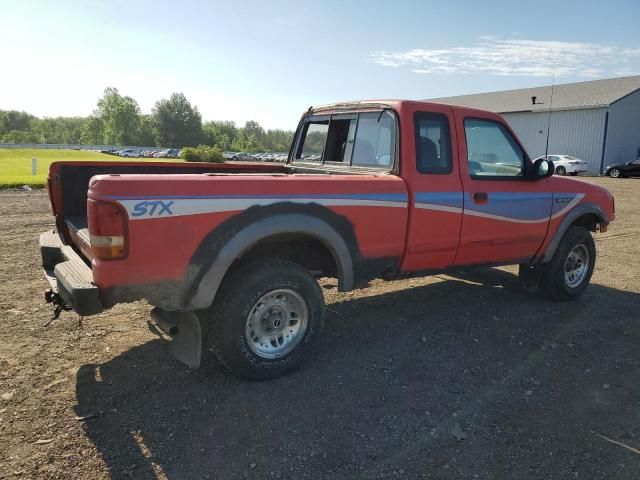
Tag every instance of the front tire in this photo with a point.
(265, 318)
(570, 269)
(614, 173)
(561, 171)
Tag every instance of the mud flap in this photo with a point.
(186, 335)
(530, 276)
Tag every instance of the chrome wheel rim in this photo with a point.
(615, 173)
(276, 323)
(576, 266)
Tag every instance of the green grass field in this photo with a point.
(15, 164)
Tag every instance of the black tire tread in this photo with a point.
(227, 298)
(553, 276)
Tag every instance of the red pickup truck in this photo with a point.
(228, 254)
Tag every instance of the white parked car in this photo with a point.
(567, 165)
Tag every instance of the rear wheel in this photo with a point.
(264, 318)
(570, 269)
(561, 170)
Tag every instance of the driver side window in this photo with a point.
(492, 151)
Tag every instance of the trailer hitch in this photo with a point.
(53, 297)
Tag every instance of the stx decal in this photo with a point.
(150, 208)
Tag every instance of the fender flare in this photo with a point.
(586, 208)
(204, 292)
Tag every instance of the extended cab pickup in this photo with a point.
(228, 254)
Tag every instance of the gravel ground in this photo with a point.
(447, 377)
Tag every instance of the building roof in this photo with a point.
(568, 96)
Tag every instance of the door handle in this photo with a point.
(480, 197)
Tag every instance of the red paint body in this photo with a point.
(160, 249)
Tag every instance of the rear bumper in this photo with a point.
(69, 275)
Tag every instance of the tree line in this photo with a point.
(117, 120)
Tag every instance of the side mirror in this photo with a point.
(542, 168)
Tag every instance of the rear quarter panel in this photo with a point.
(162, 241)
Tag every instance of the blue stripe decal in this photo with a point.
(509, 206)
(518, 206)
(561, 200)
(446, 199)
(383, 197)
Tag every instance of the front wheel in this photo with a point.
(561, 171)
(570, 269)
(614, 173)
(264, 318)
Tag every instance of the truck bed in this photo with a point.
(69, 182)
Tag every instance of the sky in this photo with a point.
(270, 60)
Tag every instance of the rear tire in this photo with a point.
(264, 319)
(570, 269)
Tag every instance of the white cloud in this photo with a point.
(495, 56)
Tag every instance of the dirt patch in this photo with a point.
(451, 376)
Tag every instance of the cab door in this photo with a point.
(505, 213)
(432, 174)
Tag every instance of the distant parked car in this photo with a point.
(567, 164)
(629, 169)
(243, 156)
(129, 152)
(228, 155)
(162, 153)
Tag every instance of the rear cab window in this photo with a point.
(433, 143)
(352, 139)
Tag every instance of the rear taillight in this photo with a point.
(107, 230)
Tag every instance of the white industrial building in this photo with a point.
(597, 121)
